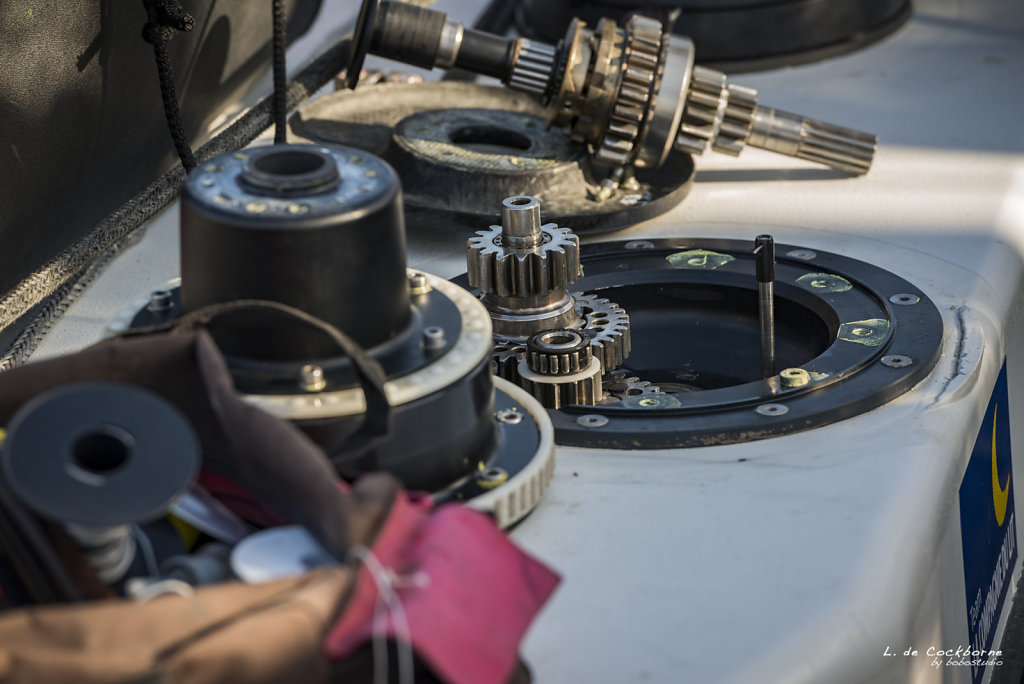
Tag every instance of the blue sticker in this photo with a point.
(987, 526)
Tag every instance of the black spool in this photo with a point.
(318, 228)
(99, 454)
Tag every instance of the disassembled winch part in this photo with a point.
(559, 369)
(522, 269)
(631, 92)
(320, 229)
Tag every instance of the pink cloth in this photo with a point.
(479, 595)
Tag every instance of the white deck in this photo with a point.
(802, 563)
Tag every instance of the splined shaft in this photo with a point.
(631, 92)
(817, 141)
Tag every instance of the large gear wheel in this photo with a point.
(495, 268)
(608, 325)
(637, 84)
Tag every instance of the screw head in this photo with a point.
(639, 244)
(509, 416)
(795, 377)
(418, 284)
(904, 299)
(311, 378)
(592, 420)
(897, 361)
(772, 410)
(434, 338)
(804, 254)
(159, 300)
(492, 477)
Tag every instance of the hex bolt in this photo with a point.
(418, 284)
(772, 410)
(491, 477)
(509, 416)
(160, 300)
(592, 420)
(311, 378)
(434, 338)
(795, 377)
(897, 361)
(904, 299)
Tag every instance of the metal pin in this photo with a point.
(764, 258)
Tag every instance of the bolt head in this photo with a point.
(897, 361)
(772, 410)
(510, 416)
(311, 378)
(592, 420)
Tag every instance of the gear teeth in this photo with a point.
(550, 266)
(505, 358)
(584, 391)
(620, 384)
(737, 120)
(608, 325)
(533, 68)
(638, 81)
(559, 352)
(705, 106)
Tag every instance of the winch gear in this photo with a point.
(608, 325)
(638, 83)
(558, 352)
(522, 258)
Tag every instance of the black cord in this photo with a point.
(42, 284)
(165, 18)
(280, 72)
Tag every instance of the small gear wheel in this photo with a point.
(607, 324)
(505, 358)
(560, 369)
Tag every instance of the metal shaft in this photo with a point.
(631, 92)
(817, 141)
(764, 258)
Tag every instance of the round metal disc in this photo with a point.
(99, 454)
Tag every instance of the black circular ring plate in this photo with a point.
(445, 140)
(158, 454)
(845, 301)
(515, 446)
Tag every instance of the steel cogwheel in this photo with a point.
(608, 325)
(551, 265)
(559, 352)
(620, 384)
(531, 71)
(505, 358)
(576, 391)
(637, 85)
(705, 106)
(737, 119)
(716, 114)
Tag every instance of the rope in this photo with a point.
(45, 283)
(166, 17)
(280, 73)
